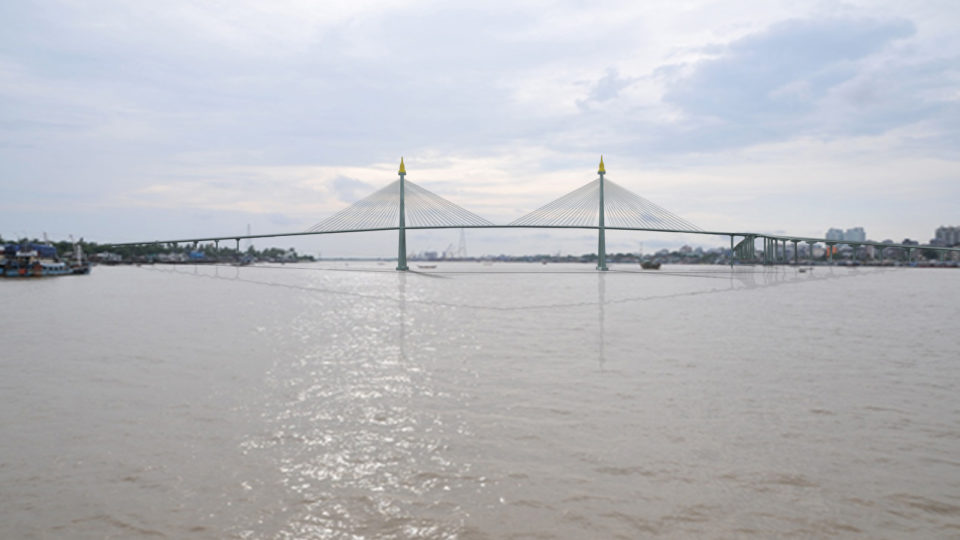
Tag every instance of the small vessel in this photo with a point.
(427, 266)
(650, 265)
(35, 260)
(79, 263)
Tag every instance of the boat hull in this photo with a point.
(37, 270)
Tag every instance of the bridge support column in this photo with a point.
(796, 254)
(402, 241)
(731, 252)
(602, 240)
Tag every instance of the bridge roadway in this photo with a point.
(731, 235)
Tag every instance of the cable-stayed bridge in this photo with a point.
(599, 205)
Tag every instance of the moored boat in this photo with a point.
(37, 260)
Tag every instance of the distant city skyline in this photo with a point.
(129, 121)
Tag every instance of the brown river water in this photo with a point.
(336, 400)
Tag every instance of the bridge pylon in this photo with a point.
(402, 243)
(602, 240)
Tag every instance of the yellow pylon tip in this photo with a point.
(602, 170)
(403, 170)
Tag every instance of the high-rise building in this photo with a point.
(856, 234)
(948, 236)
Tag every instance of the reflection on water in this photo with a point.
(324, 402)
(601, 303)
(748, 278)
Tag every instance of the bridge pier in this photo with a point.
(731, 252)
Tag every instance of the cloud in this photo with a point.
(607, 88)
(350, 190)
(773, 84)
(298, 108)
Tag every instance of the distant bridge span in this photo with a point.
(403, 206)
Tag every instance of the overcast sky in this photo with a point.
(124, 121)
